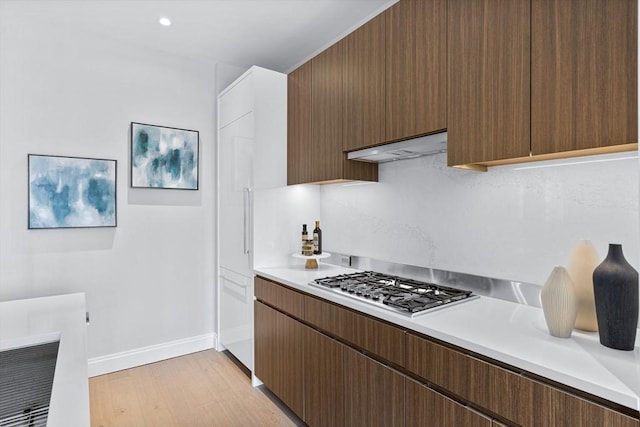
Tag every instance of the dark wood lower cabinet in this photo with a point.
(427, 408)
(323, 380)
(314, 356)
(374, 393)
(279, 355)
(553, 407)
(504, 392)
(376, 337)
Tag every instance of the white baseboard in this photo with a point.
(154, 353)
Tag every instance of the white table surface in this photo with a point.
(512, 333)
(39, 320)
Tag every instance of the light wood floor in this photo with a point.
(200, 389)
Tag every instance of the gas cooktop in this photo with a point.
(407, 296)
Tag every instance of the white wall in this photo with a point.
(149, 281)
(505, 223)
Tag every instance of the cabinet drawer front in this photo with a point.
(507, 393)
(371, 335)
(426, 407)
(553, 407)
(280, 297)
(476, 381)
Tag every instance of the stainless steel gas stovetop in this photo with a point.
(407, 296)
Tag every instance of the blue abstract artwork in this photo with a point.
(67, 192)
(164, 157)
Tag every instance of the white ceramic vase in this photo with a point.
(559, 303)
(584, 259)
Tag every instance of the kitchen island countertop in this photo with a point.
(508, 332)
(34, 321)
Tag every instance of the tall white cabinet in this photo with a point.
(252, 156)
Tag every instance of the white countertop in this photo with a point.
(512, 333)
(39, 320)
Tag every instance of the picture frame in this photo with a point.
(164, 157)
(71, 192)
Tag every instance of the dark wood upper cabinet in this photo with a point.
(489, 80)
(327, 112)
(540, 79)
(584, 74)
(299, 125)
(364, 85)
(316, 131)
(416, 80)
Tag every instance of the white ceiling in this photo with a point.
(275, 34)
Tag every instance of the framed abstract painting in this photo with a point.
(71, 192)
(164, 157)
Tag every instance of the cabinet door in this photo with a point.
(374, 393)
(236, 100)
(299, 158)
(488, 386)
(323, 380)
(234, 145)
(364, 85)
(489, 80)
(425, 408)
(416, 68)
(327, 114)
(584, 74)
(279, 355)
(315, 123)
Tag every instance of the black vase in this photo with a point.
(615, 288)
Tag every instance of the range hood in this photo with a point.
(407, 149)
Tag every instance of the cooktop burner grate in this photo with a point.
(401, 294)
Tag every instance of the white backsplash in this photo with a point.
(505, 223)
(278, 218)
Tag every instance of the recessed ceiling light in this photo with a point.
(165, 21)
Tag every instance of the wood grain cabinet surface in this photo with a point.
(379, 338)
(279, 355)
(299, 156)
(279, 296)
(540, 79)
(416, 67)
(364, 85)
(315, 121)
(425, 407)
(550, 406)
(323, 380)
(374, 393)
(509, 394)
(327, 113)
(489, 80)
(333, 366)
(584, 74)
